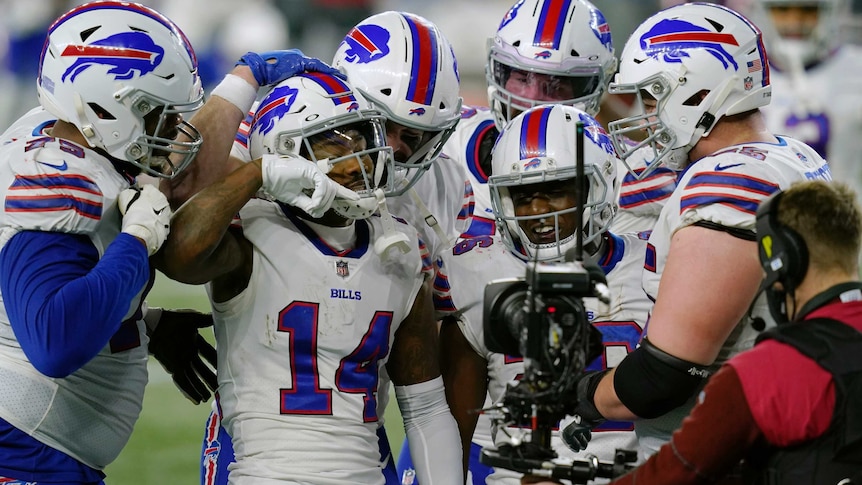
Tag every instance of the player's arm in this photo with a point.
(201, 246)
(217, 121)
(414, 368)
(708, 282)
(64, 302)
(465, 377)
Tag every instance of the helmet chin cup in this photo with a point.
(356, 209)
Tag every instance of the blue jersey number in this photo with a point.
(357, 373)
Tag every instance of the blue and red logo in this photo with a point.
(511, 14)
(417, 111)
(672, 38)
(273, 108)
(534, 163)
(546, 54)
(594, 131)
(128, 54)
(366, 43)
(601, 29)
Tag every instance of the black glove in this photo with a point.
(576, 435)
(178, 346)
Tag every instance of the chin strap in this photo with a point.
(390, 237)
(430, 220)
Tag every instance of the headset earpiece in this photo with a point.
(783, 253)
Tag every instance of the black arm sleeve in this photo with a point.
(651, 382)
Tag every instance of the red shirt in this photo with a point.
(771, 391)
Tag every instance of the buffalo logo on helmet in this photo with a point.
(366, 43)
(273, 107)
(532, 164)
(594, 131)
(673, 38)
(127, 54)
(543, 55)
(417, 111)
(601, 29)
(511, 14)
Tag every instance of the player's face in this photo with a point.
(341, 142)
(544, 198)
(538, 87)
(405, 140)
(795, 22)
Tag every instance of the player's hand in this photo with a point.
(275, 66)
(290, 179)
(146, 215)
(577, 434)
(185, 354)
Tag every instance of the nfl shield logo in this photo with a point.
(748, 83)
(341, 269)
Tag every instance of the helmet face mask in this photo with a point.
(699, 62)
(319, 117)
(404, 66)
(106, 66)
(540, 55)
(535, 157)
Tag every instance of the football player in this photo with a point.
(689, 66)
(77, 232)
(814, 97)
(406, 68)
(299, 358)
(534, 201)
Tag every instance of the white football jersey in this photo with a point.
(54, 185)
(300, 349)
(824, 110)
(724, 188)
(464, 146)
(641, 201)
(476, 261)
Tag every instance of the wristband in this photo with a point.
(237, 91)
(152, 316)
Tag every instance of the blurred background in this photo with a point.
(165, 447)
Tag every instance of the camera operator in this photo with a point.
(791, 406)
(700, 74)
(534, 198)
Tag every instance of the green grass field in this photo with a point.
(165, 446)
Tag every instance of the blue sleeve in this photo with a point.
(63, 302)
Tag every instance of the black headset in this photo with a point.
(783, 253)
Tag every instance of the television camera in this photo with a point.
(541, 318)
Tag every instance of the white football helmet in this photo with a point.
(540, 145)
(406, 68)
(314, 107)
(106, 65)
(802, 47)
(567, 42)
(700, 62)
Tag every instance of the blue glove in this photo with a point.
(577, 434)
(274, 67)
